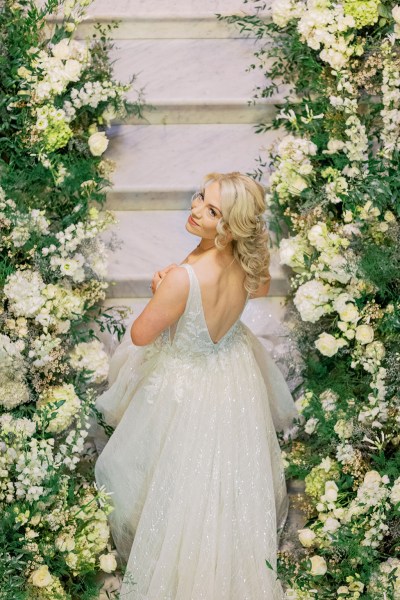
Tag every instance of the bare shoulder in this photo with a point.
(175, 282)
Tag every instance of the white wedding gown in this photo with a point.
(194, 464)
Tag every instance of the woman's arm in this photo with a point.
(164, 308)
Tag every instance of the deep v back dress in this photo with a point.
(194, 464)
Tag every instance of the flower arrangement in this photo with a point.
(58, 99)
(334, 207)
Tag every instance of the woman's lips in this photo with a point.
(192, 221)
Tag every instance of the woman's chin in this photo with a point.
(190, 229)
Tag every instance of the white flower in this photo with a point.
(331, 490)
(343, 428)
(292, 251)
(91, 356)
(328, 345)
(108, 564)
(98, 143)
(331, 525)
(41, 577)
(395, 492)
(318, 565)
(396, 13)
(72, 69)
(364, 334)
(318, 235)
(311, 424)
(312, 300)
(306, 537)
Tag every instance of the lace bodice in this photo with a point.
(191, 332)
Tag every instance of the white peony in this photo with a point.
(364, 334)
(98, 143)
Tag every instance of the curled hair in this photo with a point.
(243, 206)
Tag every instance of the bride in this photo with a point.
(194, 464)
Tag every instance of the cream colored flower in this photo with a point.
(41, 577)
(98, 143)
(318, 565)
(396, 13)
(331, 490)
(108, 563)
(306, 537)
(364, 334)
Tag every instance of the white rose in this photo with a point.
(327, 344)
(98, 143)
(41, 577)
(349, 313)
(72, 69)
(396, 13)
(108, 563)
(318, 565)
(389, 216)
(62, 50)
(364, 334)
(331, 490)
(306, 537)
(331, 525)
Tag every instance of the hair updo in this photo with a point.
(243, 206)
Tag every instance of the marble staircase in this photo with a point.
(192, 69)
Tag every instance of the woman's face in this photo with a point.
(205, 212)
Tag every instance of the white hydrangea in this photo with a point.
(292, 252)
(91, 356)
(61, 417)
(13, 392)
(344, 428)
(313, 299)
(345, 453)
(293, 167)
(23, 289)
(284, 11)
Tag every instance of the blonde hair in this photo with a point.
(242, 206)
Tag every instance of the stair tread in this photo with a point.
(180, 154)
(191, 72)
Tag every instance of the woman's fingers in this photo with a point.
(158, 276)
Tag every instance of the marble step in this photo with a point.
(160, 166)
(164, 18)
(150, 240)
(194, 80)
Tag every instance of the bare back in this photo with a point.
(222, 291)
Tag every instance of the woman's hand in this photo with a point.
(159, 275)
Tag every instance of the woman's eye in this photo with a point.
(214, 214)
